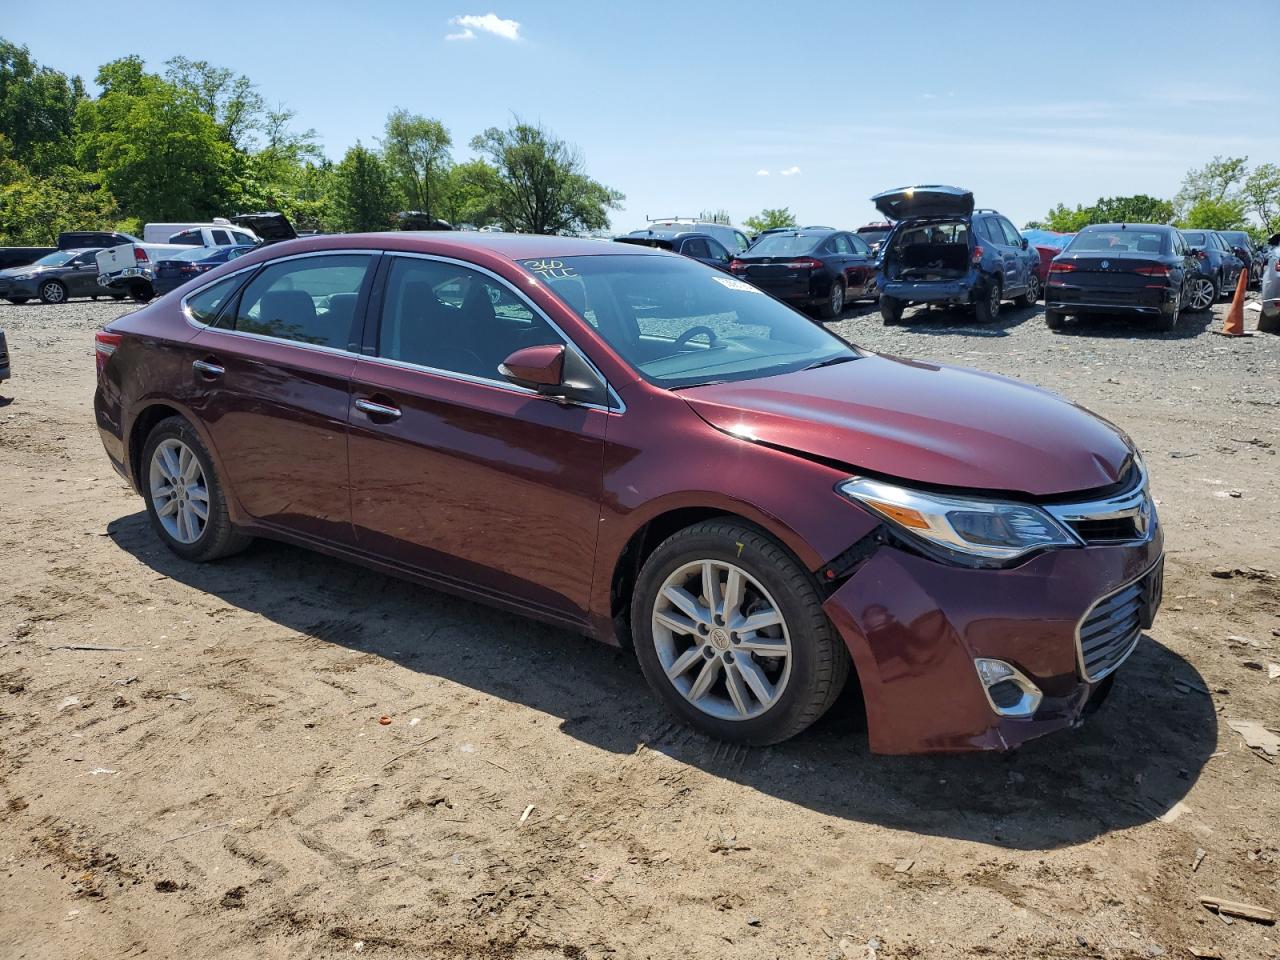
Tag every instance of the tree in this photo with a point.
(37, 109)
(232, 101)
(770, 218)
(416, 150)
(1062, 219)
(1262, 195)
(1209, 214)
(470, 194)
(1218, 180)
(156, 151)
(362, 197)
(543, 185)
(1138, 208)
(34, 210)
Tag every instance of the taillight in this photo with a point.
(977, 253)
(188, 268)
(737, 266)
(1056, 268)
(139, 255)
(803, 263)
(104, 345)
(1158, 270)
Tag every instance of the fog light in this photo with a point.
(1008, 690)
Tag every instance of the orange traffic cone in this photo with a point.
(1233, 325)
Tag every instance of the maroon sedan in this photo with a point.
(631, 444)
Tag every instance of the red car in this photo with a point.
(625, 442)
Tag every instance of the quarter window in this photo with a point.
(449, 317)
(205, 305)
(310, 300)
(840, 243)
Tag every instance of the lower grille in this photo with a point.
(1110, 630)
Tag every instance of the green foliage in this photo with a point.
(769, 219)
(416, 150)
(1261, 191)
(37, 109)
(1210, 214)
(232, 101)
(158, 153)
(1138, 208)
(543, 185)
(34, 210)
(362, 196)
(470, 194)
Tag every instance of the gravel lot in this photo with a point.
(221, 786)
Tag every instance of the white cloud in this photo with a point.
(790, 171)
(928, 96)
(762, 173)
(489, 23)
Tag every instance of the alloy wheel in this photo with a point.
(1033, 289)
(179, 492)
(722, 640)
(52, 293)
(1202, 293)
(993, 301)
(837, 298)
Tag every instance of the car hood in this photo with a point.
(929, 200)
(25, 270)
(924, 423)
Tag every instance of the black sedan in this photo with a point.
(690, 243)
(176, 269)
(1220, 267)
(1137, 268)
(819, 268)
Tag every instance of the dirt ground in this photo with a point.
(218, 783)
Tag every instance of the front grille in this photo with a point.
(1110, 630)
(1109, 530)
(1128, 517)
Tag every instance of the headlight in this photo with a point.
(984, 531)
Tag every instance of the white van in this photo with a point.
(220, 233)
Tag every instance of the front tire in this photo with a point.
(833, 306)
(731, 636)
(890, 310)
(185, 499)
(53, 292)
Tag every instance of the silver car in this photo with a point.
(54, 278)
(1269, 290)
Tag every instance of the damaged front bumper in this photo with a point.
(915, 628)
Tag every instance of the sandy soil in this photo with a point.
(220, 784)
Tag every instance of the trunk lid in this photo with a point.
(930, 200)
(925, 423)
(269, 227)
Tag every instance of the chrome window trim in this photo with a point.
(615, 404)
(1097, 678)
(1130, 504)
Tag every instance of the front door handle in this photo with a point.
(208, 369)
(378, 411)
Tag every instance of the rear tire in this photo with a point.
(712, 676)
(142, 291)
(987, 308)
(1055, 319)
(117, 296)
(833, 307)
(890, 310)
(200, 542)
(1029, 298)
(1202, 294)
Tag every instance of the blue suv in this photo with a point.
(944, 251)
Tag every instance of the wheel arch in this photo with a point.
(152, 412)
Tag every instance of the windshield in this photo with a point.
(1236, 239)
(784, 244)
(680, 323)
(1120, 241)
(55, 259)
(873, 236)
(199, 253)
(1195, 239)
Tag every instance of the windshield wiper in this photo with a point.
(829, 362)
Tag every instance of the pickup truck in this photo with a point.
(129, 267)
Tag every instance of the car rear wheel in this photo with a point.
(185, 500)
(731, 636)
(987, 307)
(1055, 319)
(1032, 295)
(1201, 294)
(890, 310)
(52, 291)
(834, 305)
(117, 296)
(141, 291)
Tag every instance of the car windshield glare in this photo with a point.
(56, 259)
(680, 323)
(784, 245)
(1121, 241)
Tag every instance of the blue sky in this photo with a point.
(681, 106)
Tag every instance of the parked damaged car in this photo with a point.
(1145, 269)
(942, 251)
(812, 267)
(54, 278)
(689, 243)
(1269, 287)
(981, 555)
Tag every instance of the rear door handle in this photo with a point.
(208, 369)
(378, 411)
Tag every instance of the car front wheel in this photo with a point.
(185, 500)
(731, 636)
(53, 291)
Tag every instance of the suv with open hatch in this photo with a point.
(942, 251)
(632, 445)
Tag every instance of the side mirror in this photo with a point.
(1241, 252)
(538, 368)
(1025, 243)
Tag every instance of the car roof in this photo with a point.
(511, 246)
(1126, 226)
(663, 234)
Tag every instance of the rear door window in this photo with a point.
(307, 300)
(696, 247)
(220, 238)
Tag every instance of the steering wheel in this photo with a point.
(684, 338)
